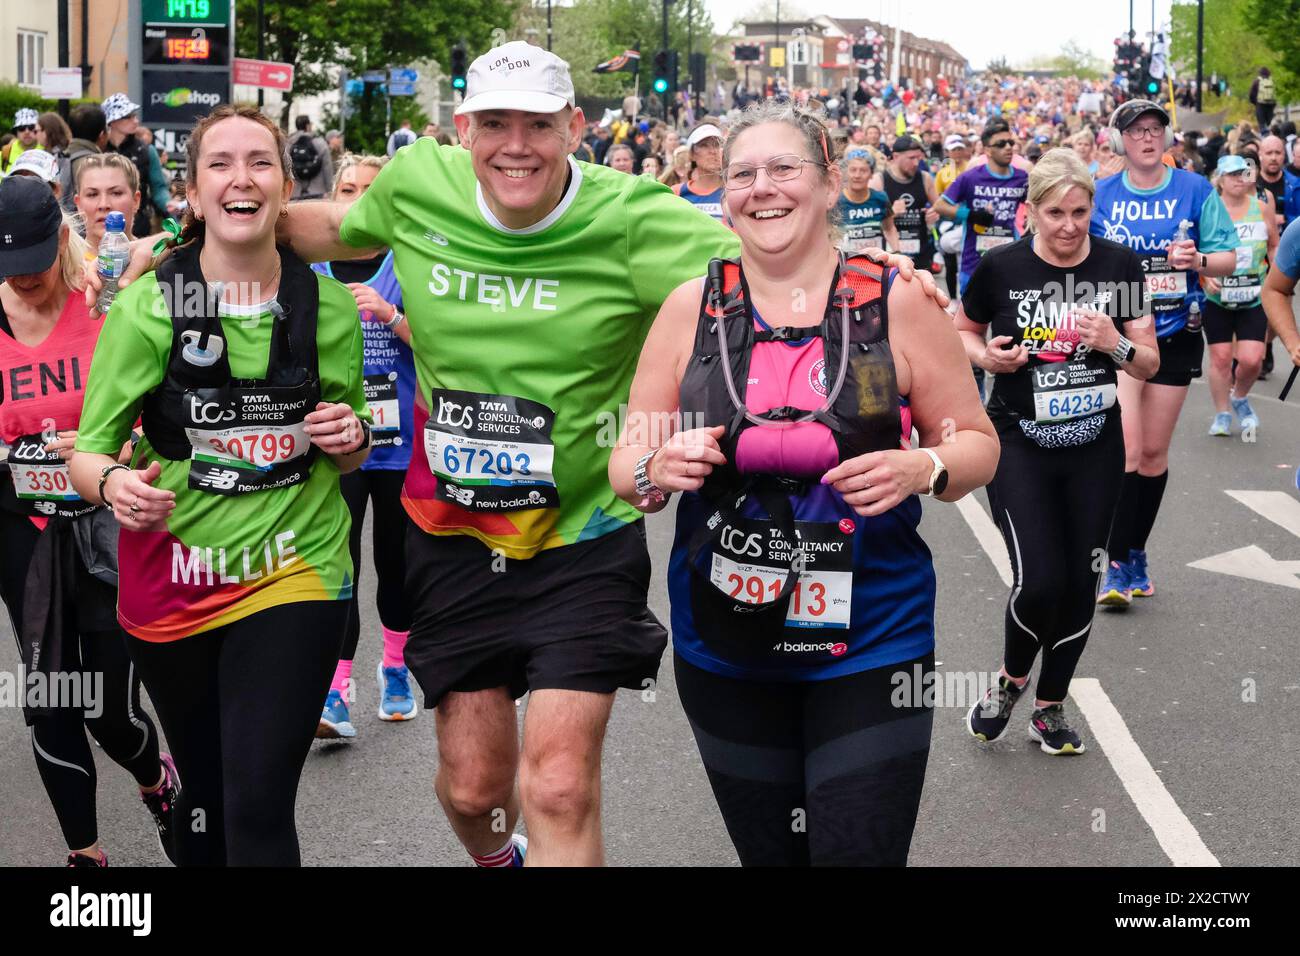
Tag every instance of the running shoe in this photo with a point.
(396, 702)
(1049, 727)
(1115, 589)
(1139, 579)
(80, 859)
(521, 848)
(1222, 424)
(1267, 368)
(162, 804)
(335, 722)
(990, 716)
(1245, 414)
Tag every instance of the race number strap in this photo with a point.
(1067, 390)
(42, 483)
(385, 409)
(491, 452)
(1167, 285)
(909, 247)
(247, 439)
(991, 238)
(752, 558)
(39, 475)
(718, 542)
(1238, 290)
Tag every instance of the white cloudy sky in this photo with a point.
(1015, 29)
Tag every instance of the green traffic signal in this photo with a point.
(458, 82)
(1153, 86)
(661, 84)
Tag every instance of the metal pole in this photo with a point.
(690, 44)
(261, 45)
(63, 51)
(1130, 20)
(548, 24)
(1200, 48)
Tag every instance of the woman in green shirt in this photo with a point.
(246, 369)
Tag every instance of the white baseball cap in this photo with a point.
(956, 141)
(37, 162)
(517, 76)
(707, 131)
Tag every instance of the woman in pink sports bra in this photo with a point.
(799, 584)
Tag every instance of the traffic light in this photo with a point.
(459, 67)
(699, 62)
(661, 80)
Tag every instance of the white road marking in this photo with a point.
(988, 535)
(1173, 831)
(1277, 506)
(1252, 562)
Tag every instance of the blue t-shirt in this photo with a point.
(864, 221)
(982, 188)
(389, 378)
(1146, 220)
(1287, 257)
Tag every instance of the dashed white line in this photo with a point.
(1173, 831)
(988, 535)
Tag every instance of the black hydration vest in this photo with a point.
(863, 416)
(198, 397)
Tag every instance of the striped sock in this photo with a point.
(502, 857)
(395, 647)
(342, 681)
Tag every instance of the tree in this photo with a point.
(591, 31)
(322, 35)
(999, 65)
(1240, 37)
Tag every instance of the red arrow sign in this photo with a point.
(267, 74)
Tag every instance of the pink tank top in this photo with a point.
(47, 382)
(794, 374)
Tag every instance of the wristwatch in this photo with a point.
(1124, 351)
(365, 437)
(396, 320)
(938, 477)
(1204, 261)
(103, 479)
(647, 489)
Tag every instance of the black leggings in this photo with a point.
(388, 534)
(240, 705)
(126, 733)
(1054, 507)
(827, 773)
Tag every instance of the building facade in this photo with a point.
(826, 58)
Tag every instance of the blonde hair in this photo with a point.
(352, 161)
(73, 256)
(109, 161)
(1058, 171)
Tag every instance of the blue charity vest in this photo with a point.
(1146, 223)
(710, 203)
(389, 371)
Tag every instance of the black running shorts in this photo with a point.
(1180, 359)
(569, 618)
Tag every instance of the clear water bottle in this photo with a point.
(1194, 316)
(114, 254)
(1184, 232)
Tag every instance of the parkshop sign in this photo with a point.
(182, 97)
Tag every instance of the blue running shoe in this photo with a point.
(1245, 414)
(1115, 589)
(396, 702)
(335, 721)
(1222, 425)
(521, 848)
(1139, 579)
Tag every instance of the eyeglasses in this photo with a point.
(1002, 144)
(779, 169)
(1144, 132)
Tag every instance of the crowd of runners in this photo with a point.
(438, 342)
